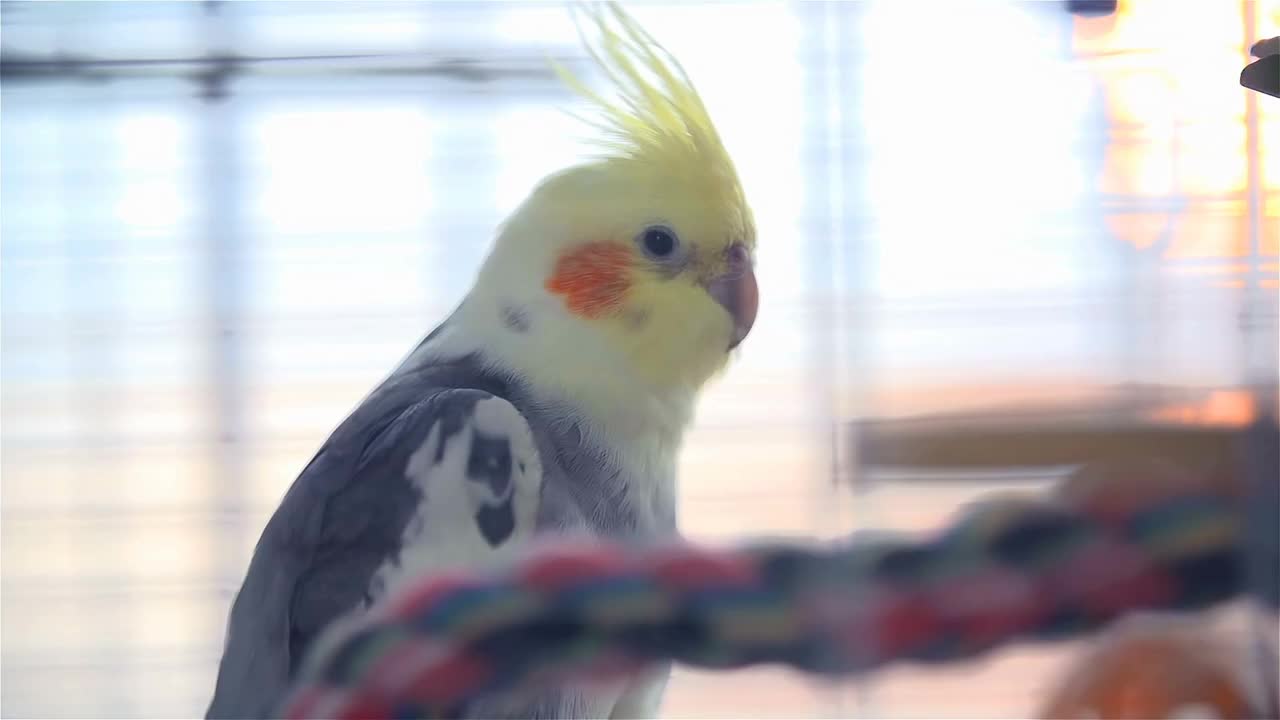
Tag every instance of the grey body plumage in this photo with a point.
(345, 521)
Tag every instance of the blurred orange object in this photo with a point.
(1155, 669)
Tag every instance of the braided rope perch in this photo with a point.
(1009, 570)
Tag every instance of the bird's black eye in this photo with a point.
(659, 242)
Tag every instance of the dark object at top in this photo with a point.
(1091, 8)
(1263, 74)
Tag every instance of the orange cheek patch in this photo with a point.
(592, 278)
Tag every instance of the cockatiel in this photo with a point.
(554, 398)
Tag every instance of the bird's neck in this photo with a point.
(570, 373)
(562, 360)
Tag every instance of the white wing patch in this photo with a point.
(479, 494)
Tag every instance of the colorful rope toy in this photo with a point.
(1010, 569)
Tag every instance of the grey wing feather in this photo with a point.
(345, 523)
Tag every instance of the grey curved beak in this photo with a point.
(738, 294)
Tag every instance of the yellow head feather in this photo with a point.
(659, 122)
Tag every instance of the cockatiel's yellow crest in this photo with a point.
(659, 119)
